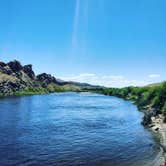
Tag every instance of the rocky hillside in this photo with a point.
(16, 79)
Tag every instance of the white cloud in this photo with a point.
(80, 77)
(86, 75)
(154, 76)
(106, 80)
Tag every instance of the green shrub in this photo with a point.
(164, 109)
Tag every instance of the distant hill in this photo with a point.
(16, 79)
(155, 84)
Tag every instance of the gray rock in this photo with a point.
(15, 66)
(28, 70)
(46, 78)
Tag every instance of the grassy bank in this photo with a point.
(148, 97)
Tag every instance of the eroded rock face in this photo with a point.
(46, 78)
(146, 119)
(2, 64)
(15, 77)
(28, 70)
(6, 70)
(149, 116)
(8, 87)
(15, 66)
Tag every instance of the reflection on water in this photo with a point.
(71, 129)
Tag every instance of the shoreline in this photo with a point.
(155, 124)
(158, 127)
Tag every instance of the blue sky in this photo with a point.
(107, 42)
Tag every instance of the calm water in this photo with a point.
(72, 129)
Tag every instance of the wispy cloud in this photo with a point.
(80, 16)
(75, 24)
(106, 80)
(154, 76)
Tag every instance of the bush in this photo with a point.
(164, 109)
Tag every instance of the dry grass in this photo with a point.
(5, 77)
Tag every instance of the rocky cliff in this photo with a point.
(16, 79)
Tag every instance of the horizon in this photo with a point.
(81, 75)
(108, 43)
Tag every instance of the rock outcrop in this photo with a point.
(4, 68)
(28, 70)
(46, 78)
(15, 66)
(14, 77)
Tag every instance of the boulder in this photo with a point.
(156, 127)
(146, 119)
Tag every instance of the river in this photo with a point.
(73, 129)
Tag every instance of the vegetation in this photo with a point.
(54, 88)
(51, 88)
(6, 77)
(30, 92)
(164, 109)
(153, 97)
(18, 80)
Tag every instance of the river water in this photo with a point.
(73, 129)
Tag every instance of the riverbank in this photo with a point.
(157, 126)
(151, 98)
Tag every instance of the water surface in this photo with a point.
(73, 129)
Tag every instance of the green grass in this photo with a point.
(28, 92)
(51, 88)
